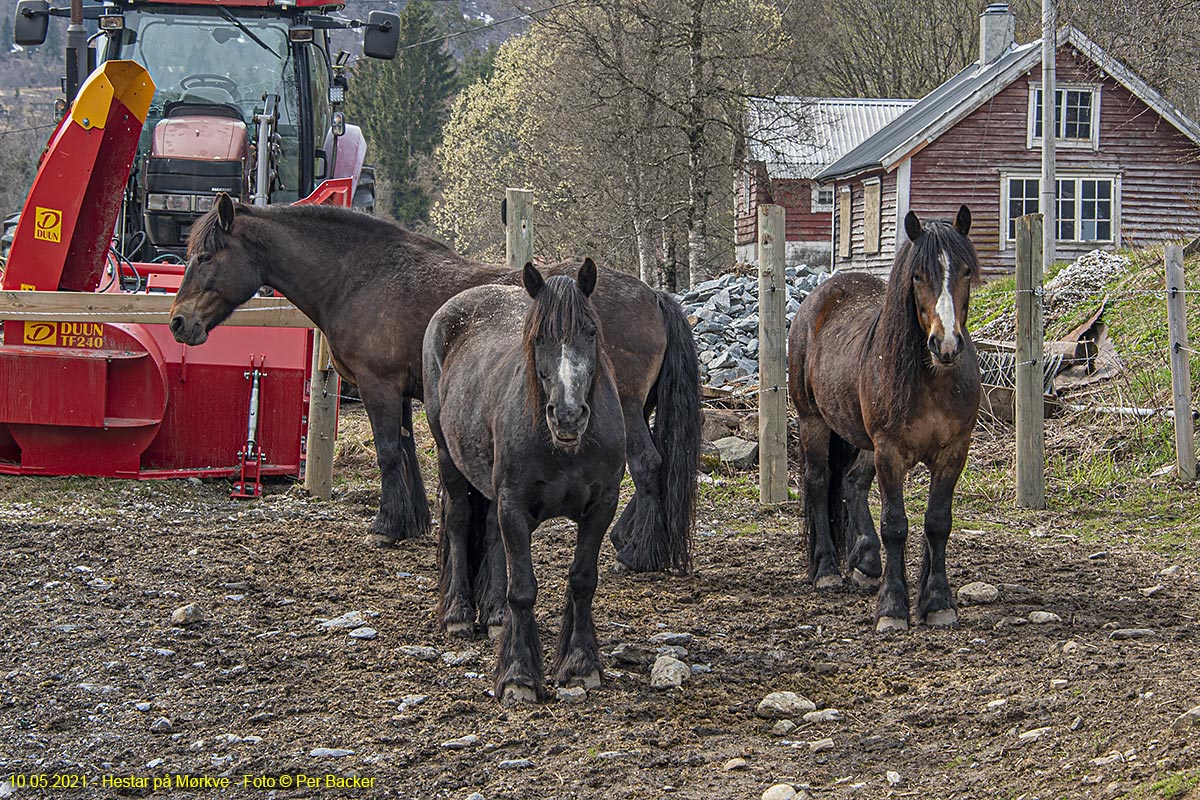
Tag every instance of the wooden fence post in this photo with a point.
(322, 421)
(772, 361)
(1031, 433)
(1181, 371)
(518, 227)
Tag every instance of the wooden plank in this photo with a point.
(518, 228)
(772, 364)
(871, 217)
(149, 309)
(1031, 434)
(322, 421)
(1181, 374)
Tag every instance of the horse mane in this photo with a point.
(208, 235)
(896, 334)
(559, 312)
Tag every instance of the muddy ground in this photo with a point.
(93, 569)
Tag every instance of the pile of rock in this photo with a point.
(724, 317)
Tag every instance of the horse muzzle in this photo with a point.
(567, 430)
(945, 349)
(192, 333)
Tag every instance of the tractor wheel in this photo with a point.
(364, 197)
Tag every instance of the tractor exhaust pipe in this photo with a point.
(77, 69)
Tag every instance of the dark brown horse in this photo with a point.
(372, 286)
(523, 407)
(884, 376)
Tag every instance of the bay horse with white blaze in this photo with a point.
(523, 407)
(884, 376)
(372, 286)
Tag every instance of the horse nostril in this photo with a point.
(550, 411)
(177, 323)
(584, 411)
(934, 344)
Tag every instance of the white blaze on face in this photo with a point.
(945, 302)
(572, 375)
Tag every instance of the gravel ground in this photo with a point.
(96, 679)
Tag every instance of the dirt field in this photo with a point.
(94, 569)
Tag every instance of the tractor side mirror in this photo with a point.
(380, 39)
(321, 165)
(32, 21)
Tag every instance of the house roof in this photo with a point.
(797, 137)
(950, 103)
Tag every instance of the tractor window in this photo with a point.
(208, 59)
(319, 69)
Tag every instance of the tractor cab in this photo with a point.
(247, 101)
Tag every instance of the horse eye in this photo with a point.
(918, 278)
(204, 258)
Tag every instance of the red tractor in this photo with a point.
(190, 98)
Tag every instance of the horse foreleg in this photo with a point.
(935, 602)
(519, 658)
(822, 555)
(863, 564)
(399, 517)
(640, 535)
(891, 611)
(578, 656)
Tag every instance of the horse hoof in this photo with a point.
(379, 540)
(464, 629)
(828, 582)
(589, 681)
(515, 695)
(946, 618)
(494, 631)
(863, 581)
(889, 624)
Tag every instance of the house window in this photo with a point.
(1076, 116)
(871, 216)
(822, 199)
(1086, 206)
(844, 222)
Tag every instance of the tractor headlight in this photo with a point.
(204, 202)
(169, 202)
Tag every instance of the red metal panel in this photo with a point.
(63, 386)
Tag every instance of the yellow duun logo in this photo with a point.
(44, 333)
(47, 224)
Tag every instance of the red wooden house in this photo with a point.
(790, 140)
(1128, 162)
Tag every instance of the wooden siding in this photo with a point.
(879, 262)
(795, 195)
(1158, 167)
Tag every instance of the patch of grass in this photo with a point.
(1177, 786)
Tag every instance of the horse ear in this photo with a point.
(587, 277)
(532, 279)
(962, 223)
(224, 212)
(912, 226)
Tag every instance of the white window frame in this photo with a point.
(1113, 177)
(1033, 142)
(817, 207)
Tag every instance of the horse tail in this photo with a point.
(676, 431)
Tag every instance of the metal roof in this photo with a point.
(797, 137)
(948, 104)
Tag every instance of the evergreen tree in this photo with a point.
(401, 105)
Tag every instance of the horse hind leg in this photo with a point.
(863, 563)
(456, 602)
(815, 440)
(640, 535)
(403, 507)
(577, 657)
(491, 576)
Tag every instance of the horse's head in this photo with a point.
(563, 350)
(220, 276)
(942, 264)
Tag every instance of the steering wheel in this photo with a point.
(209, 80)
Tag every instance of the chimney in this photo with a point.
(997, 32)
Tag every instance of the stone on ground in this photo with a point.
(781, 705)
(668, 673)
(978, 593)
(187, 615)
(780, 791)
